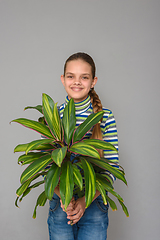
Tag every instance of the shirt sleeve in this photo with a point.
(110, 135)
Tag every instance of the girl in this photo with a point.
(77, 222)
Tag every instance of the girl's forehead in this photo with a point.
(78, 66)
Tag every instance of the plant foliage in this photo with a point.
(51, 158)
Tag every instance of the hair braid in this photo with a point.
(97, 106)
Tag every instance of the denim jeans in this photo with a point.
(92, 226)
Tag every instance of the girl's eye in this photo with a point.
(84, 77)
(69, 76)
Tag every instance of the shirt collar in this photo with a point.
(80, 106)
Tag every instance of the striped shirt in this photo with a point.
(108, 127)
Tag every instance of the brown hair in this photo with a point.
(96, 102)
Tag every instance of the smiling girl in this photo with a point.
(78, 222)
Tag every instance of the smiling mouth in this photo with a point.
(76, 89)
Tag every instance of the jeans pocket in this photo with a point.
(100, 204)
(54, 203)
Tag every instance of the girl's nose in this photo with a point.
(77, 81)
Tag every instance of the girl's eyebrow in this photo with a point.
(81, 74)
(69, 73)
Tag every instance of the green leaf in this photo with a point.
(23, 187)
(111, 203)
(69, 121)
(16, 202)
(48, 108)
(35, 167)
(103, 164)
(37, 184)
(83, 128)
(25, 194)
(66, 183)
(52, 179)
(56, 121)
(23, 147)
(90, 181)
(77, 177)
(38, 108)
(99, 177)
(124, 208)
(108, 186)
(100, 144)
(107, 177)
(30, 157)
(37, 126)
(40, 202)
(102, 191)
(27, 191)
(59, 154)
(84, 149)
(36, 143)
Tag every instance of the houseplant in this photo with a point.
(50, 157)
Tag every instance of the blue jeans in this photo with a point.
(92, 226)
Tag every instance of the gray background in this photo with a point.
(123, 37)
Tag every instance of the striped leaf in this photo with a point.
(77, 177)
(23, 187)
(58, 155)
(99, 177)
(36, 143)
(38, 108)
(100, 144)
(52, 179)
(66, 183)
(124, 208)
(69, 121)
(83, 128)
(84, 149)
(37, 126)
(35, 167)
(111, 203)
(115, 171)
(107, 177)
(40, 202)
(56, 121)
(48, 108)
(102, 191)
(23, 147)
(27, 191)
(107, 188)
(31, 157)
(90, 181)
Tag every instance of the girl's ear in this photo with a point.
(94, 82)
(62, 79)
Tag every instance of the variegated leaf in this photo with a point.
(37, 126)
(90, 181)
(66, 183)
(59, 154)
(83, 128)
(84, 149)
(35, 167)
(52, 179)
(69, 121)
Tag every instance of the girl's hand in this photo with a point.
(79, 209)
(70, 206)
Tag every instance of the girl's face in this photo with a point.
(78, 80)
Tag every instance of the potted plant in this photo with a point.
(50, 157)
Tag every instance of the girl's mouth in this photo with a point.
(76, 89)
